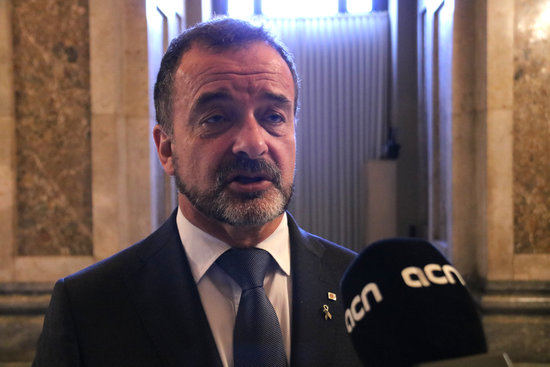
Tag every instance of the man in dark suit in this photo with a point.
(226, 98)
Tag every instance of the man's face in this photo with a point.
(233, 146)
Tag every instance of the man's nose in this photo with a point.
(250, 139)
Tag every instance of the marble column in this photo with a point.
(532, 127)
(52, 131)
(74, 148)
(513, 105)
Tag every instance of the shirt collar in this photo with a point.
(203, 249)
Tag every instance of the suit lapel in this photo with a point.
(168, 302)
(313, 337)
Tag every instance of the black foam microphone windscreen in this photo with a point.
(406, 304)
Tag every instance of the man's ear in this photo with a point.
(164, 149)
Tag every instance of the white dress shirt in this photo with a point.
(220, 294)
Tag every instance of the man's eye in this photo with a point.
(215, 119)
(275, 118)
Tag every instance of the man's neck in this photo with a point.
(235, 236)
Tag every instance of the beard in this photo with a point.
(239, 209)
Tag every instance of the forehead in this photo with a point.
(254, 67)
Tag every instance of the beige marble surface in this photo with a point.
(52, 127)
(532, 127)
(7, 144)
(496, 114)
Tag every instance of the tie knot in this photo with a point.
(247, 267)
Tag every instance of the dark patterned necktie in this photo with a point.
(257, 337)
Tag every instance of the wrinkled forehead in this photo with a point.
(202, 68)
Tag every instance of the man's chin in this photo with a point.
(253, 208)
(263, 197)
(237, 208)
(246, 197)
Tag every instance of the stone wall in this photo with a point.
(51, 65)
(74, 149)
(513, 121)
(75, 158)
(513, 105)
(532, 127)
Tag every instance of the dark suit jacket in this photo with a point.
(141, 307)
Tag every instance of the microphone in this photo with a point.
(406, 304)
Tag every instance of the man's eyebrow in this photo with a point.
(209, 97)
(279, 98)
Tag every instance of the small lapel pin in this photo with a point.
(326, 312)
(332, 296)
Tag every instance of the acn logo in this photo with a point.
(432, 274)
(360, 305)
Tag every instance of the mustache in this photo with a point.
(243, 164)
